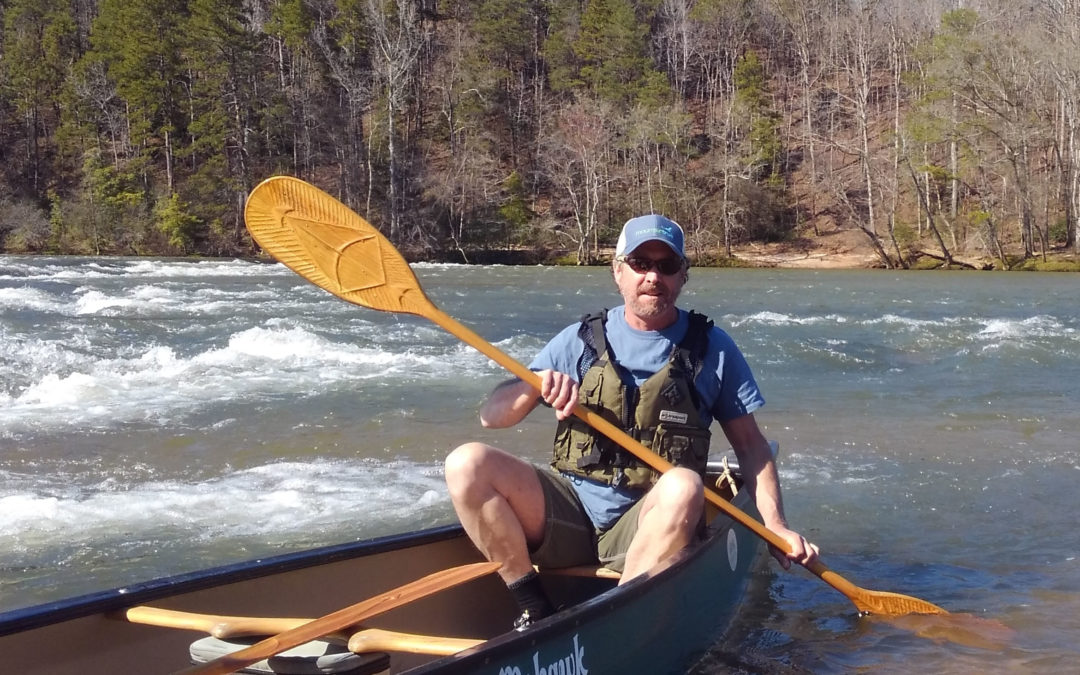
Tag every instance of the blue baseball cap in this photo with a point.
(652, 227)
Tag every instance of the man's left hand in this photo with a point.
(802, 551)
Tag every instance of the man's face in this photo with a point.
(650, 294)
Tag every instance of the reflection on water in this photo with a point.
(157, 416)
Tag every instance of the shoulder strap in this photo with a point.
(592, 334)
(690, 353)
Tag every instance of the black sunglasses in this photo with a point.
(666, 266)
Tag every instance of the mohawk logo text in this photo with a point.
(569, 664)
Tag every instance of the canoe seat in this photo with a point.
(594, 571)
(317, 657)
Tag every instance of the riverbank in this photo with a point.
(839, 249)
(836, 249)
(850, 249)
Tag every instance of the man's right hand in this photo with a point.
(559, 391)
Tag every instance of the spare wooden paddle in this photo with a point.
(328, 244)
(344, 618)
(216, 625)
(360, 642)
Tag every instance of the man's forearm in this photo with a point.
(758, 468)
(765, 485)
(763, 482)
(508, 404)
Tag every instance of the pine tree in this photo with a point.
(220, 52)
(503, 67)
(613, 51)
(39, 44)
(764, 149)
(177, 224)
(558, 52)
(138, 44)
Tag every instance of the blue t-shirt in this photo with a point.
(725, 385)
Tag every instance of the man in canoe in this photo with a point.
(653, 369)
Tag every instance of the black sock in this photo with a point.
(530, 596)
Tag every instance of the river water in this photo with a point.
(158, 416)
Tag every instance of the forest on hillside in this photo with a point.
(463, 127)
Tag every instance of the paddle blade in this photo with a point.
(327, 243)
(881, 603)
(885, 603)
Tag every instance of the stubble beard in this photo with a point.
(651, 306)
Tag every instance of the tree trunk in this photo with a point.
(392, 159)
(169, 163)
(924, 199)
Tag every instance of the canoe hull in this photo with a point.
(657, 624)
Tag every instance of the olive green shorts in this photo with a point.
(569, 536)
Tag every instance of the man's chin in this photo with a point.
(652, 307)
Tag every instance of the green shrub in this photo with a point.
(176, 223)
(1059, 231)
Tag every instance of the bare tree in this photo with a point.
(1064, 26)
(649, 142)
(860, 62)
(804, 21)
(92, 86)
(461, 175)
(676, 42)
(577, 157)
(924, 201)
(721, 33)
(999, 96)
(398, 42)
(346, 61)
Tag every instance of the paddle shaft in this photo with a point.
(343, 618)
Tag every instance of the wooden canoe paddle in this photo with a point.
(360, 641)
(331, 246)
(343, 618)
(216, 625)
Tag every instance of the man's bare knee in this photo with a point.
(679, 485)
(465, 456)
(679, 493)
(465, 464)
(478, 465)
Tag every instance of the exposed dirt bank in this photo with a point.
(837, 250)
(849, 249)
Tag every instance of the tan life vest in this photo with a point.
(662, 413)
